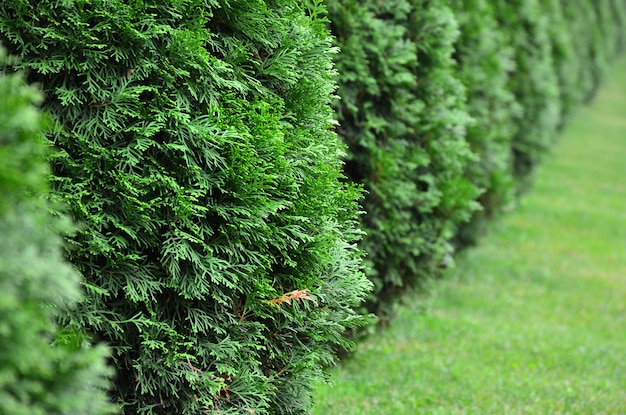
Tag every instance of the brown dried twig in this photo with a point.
(292, 295)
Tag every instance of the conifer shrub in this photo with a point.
(608, 34)
(586, 37)
(601, 44)
(534, 81)
(618, 11)
(571, 71)
(485, 60)
(217, 234)
(581, 20)
(36, 377)
(402, 114)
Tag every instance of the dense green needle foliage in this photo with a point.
(447, 106)
(562, 53)
(618, 12)
(485, 60)
(584, 33)
(218, 240)
(531, 320)
(574, 73)
(403, 117)
(533, 80)
(35, 281)
(194, 148)
(609, 31)
(585, 36)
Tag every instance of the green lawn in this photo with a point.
(533, 320)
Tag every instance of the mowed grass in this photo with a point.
(531, 321)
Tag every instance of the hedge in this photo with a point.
(480, 87)
(485, 60)
(586, 36)
(533, 81)
(37, 378)
(220, 243)
(573, 73)
(618, 11)
(609, 33)
(403, 117)
(217, 233)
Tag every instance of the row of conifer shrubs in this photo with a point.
(218, 239)
(447, 105)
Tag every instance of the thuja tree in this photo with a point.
(599, 44)
(582, 23)
(36, 377)
(194, 148)
(618, 11)
(485, 60)
(609, 37)
(534, 81)
(586, 37)
(569, 68)
(402, 115)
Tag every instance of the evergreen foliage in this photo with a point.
(582, 28)
(609, 33)
(219, 242)
(570, 70)
(534, 81)
(599, 48)
(37, 378)
(585, 37)
(194, 148)
(618, 11)
(485, 61)
(522, 66)
(402, 114)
